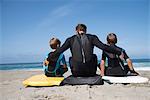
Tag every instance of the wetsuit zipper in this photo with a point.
(83, 55)
(82, 51)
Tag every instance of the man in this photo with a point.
(83, 62)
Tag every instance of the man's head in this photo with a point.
(111, 38)
(54, 43)
(81, 28)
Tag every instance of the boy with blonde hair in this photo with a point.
(58, 66)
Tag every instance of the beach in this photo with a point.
(11, 88)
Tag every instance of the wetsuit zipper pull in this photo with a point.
(83, 55)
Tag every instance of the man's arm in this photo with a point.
(105, 47)
(60, 50)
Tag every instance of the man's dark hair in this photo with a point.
(54, 43)
(112, 38)
(81, 27)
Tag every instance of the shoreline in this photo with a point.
(134, 60)
(11, 88)
(41, 69)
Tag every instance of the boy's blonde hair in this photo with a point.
(54, 43)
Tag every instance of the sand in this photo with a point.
(11, 88)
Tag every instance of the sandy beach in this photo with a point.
(11, 88)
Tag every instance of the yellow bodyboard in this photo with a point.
(42, 80)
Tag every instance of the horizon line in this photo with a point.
(134, 60)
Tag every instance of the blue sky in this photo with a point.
(27, 25)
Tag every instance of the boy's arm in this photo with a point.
(102, 67)
(65, 68)
(102, 64)
(128, 60)
(105, 47)
(45, 62)
(130, 64)
(64, 64)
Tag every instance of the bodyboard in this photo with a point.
(126, 79)
(95, 80)
(42, 80)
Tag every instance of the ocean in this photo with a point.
(139, 64)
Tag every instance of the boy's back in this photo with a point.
(52, 64)
(57, 66)
(113, 59)
(115, 65)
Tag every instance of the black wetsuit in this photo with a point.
(56, 68)
(115, 66)
(83, 61)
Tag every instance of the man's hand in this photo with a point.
(45, 62)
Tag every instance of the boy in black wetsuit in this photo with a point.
(83, 62)
(58, 66)
(112, 65)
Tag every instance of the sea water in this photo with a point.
(21, 66)
(139, 64)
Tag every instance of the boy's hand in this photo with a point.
(102, 74)
(134, 72)
(46, 62)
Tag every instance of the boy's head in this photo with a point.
(81, 28)
(54, 43)
(111, 38)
